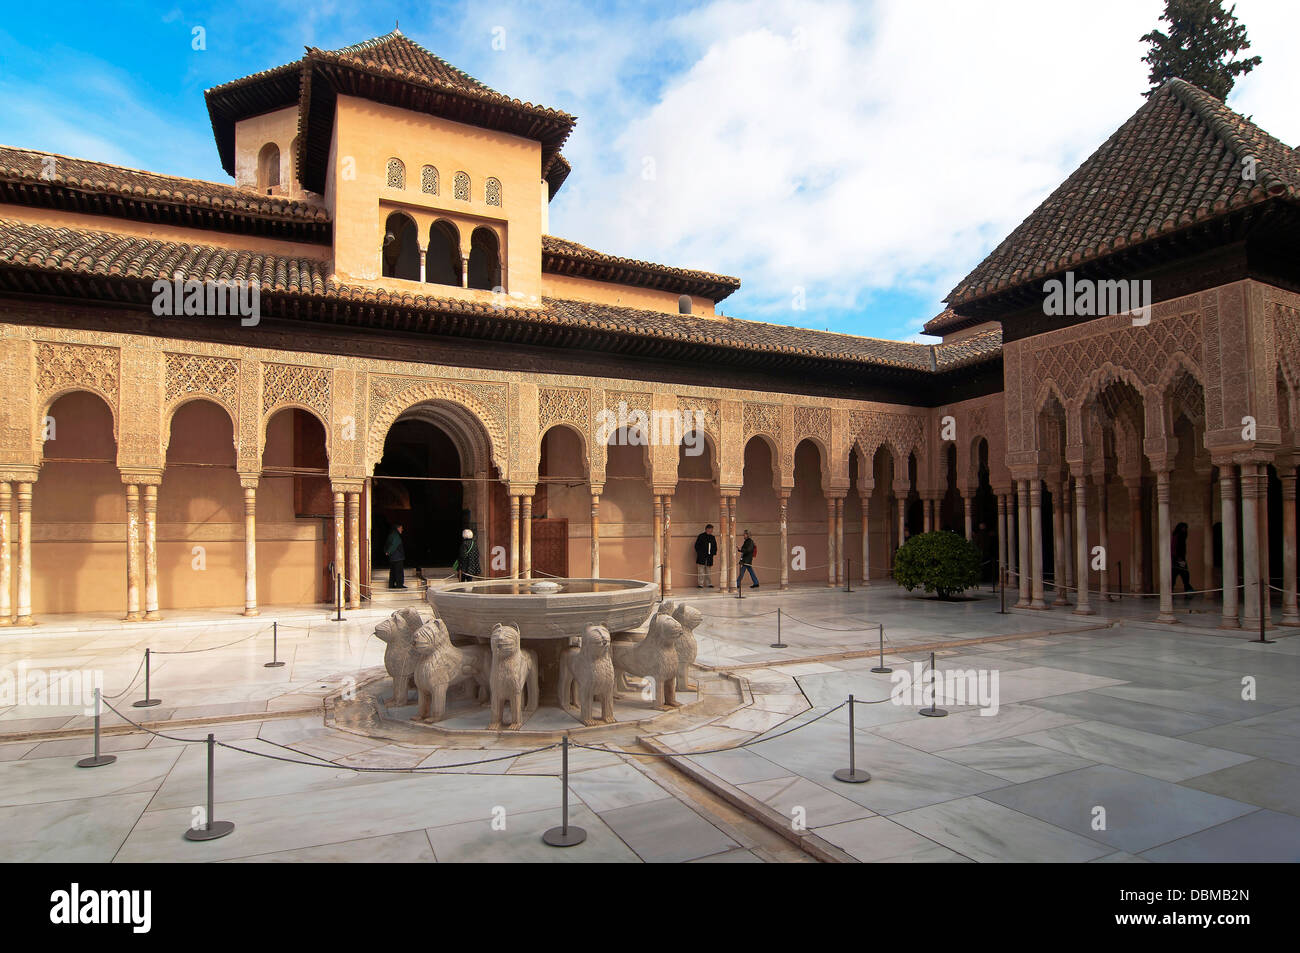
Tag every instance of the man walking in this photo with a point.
(706, 546)
(396, 554)
(747, 551)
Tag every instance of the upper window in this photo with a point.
(396, 174)
(460, 187)
(493, 191)
(268, 166)
(429, 180)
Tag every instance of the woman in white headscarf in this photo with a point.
(467, 559)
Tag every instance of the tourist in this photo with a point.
(1178, 547)
(706, 545)
(396, 554)
(467, 558)
(747, 551)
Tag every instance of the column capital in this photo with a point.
(347, 486)
(249, 480)
(597, 489)
(143, 477)
(20, 474)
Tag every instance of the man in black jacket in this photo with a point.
(396, 554)
(706, 546)
(747, 551)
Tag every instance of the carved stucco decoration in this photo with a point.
(564, 405)
(389, 397)
(65, 367)
(812, 422)
(196, 375)
(901, 433)
(295, 385)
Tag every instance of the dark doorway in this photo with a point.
(417, 484)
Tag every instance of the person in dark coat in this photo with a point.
(706, 547)
(1178, 549)
(396, 553)
(467, 563)
(747, 551)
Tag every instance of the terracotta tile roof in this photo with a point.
(1176, 162)
(65, 261)
(28, 177)
(563, 257)
(398, 52)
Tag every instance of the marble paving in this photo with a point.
(1118, 742)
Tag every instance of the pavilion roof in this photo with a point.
(1176, 163)
(563, 257)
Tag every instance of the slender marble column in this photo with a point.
(1165, 560)
(866, 538)
(133, 613)
(354, 550)
(526, 535)
(1002, 538)
(514, 536)
(840, 568)
(250, 551)
(1228, 517)
(668, 544)
(724, 546)
(731, 518)
(1060, 548)
(902, 520)
(1250, 562)
(595, 534)
(1103, 538)
(1081, 544)
(1022, 533)
(1036, 542)
(831, 557)
(1013, 539)
(783, 501)
(151, 553)
(656, 553)
(340, 548)
(1067, 535)
(966, 506)
(6, 554)
(1290, 612)
(1135, 522)
(24, 554)
(927, 515)
(1207, 537)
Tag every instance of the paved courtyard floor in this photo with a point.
(1113, 740)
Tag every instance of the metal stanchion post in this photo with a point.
(97, 760)
(148, 701)
(933, 711)
(778, 644)
(882, 668)
(211, 829)
(851, 774)
(1265, 610)
(564, 835)
(275, 647)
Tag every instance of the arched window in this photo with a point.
(460, 187)
(268, 166)
(396, 174)
(442, 262)
(484, 260)
(493, 191)
(429, 180)
(401, 248)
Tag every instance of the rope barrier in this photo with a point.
(211, 648)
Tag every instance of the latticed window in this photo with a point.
(493, 191)
(396, 174)
(460, 187)
(429, 180)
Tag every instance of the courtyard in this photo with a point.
(1106, 738)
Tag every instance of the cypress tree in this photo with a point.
(1200, 44)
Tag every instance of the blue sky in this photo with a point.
(856, 157)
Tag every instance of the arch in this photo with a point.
(288, 405)
(442, 260)
(49, 400)
(431, 392)
(268, 166)
(460, 186)
(400, 250)
(484, 260)
(492, 191)
(429, 180)
(169, 414)
(582, 441)
(396, 174)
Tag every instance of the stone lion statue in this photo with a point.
(396, 632)
(439, 665)
(655, 658)
(689, 618)
(587, 673)
(514, 670)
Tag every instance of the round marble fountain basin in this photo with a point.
(473, 608)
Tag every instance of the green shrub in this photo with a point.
(939, 562)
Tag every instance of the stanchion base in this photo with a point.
(561, 837)
(1264, 641)
(934, 712)
(211, 832)
(146, 703)
(778, 645)
(99, 762)
(882, 670)
(851, 775)
(273, 665)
